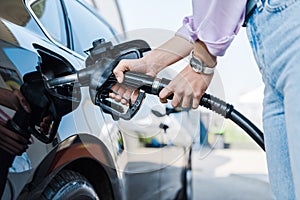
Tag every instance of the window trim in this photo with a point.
(28, 4)
(68, 26)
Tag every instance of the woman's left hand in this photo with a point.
(188, 87)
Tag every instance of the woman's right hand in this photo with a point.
(153, 62)
(137, 65)
(122, 93)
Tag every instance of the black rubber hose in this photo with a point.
(247, 126)
(226, 110)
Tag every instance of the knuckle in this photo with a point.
(116, 71)
(180, 93)
(198, 94)
(188, 93)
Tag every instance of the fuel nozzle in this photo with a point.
(151, 85)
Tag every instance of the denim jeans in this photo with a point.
(274, 34)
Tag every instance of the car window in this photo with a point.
(86, 26)
(50, 14)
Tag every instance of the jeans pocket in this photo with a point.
(278, 5)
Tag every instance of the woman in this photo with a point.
(273, 29)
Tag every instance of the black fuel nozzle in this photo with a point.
(151, 85)
(103, 58)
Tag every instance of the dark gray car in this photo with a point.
(92, 157)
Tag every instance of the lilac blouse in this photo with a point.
(214, 22)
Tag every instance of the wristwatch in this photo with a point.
(199, 66)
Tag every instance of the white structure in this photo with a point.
(110, 11)
(250, 105)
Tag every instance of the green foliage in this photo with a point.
(236, 137)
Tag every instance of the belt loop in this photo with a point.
(259, 5)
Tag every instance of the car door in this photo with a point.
(137, 163)
(59, 18)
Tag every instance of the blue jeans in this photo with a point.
(274, 34)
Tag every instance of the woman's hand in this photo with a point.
(124, 94)
(187, 87)
(153, 62)
(45, 124)
(137, 65)
(168, 53)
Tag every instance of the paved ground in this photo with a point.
(230, 174)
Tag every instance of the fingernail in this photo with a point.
(119, 79)
(163, 101)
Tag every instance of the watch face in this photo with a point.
(199, 67)
(196, 65)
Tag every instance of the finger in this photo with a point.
(47, 120)
(44, 128)
(2, 122)
(112, 95)
(127, 96)
(134, 96)
(4, 132)
(121, 91)
(196, 102)
(176, 100)
(22, 100)
(186, 102)
(7, 150)
(164, 93)
(119, 75)
(114, 90)
(115, 87)
(197, 95)
(11, 142)
(15, 150)
(44, 131)
(12, 149)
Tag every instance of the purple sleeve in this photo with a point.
(214, 22)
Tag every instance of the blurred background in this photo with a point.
(237, 162)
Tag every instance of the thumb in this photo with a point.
(119, 76)
(121, 68)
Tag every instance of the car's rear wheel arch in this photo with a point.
(95, 174)
(98, 168)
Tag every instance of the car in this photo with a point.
(92, 156)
